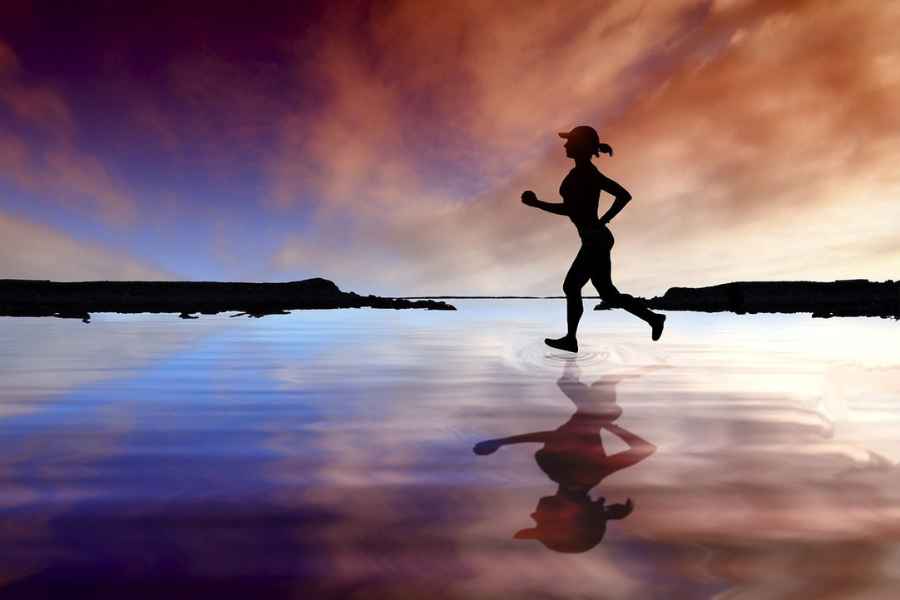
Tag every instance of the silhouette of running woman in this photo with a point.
(574, 457)
(580, 191)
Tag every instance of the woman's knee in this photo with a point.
(572, 289)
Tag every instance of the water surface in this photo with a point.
(330, 454)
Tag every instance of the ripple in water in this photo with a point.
(538, 356)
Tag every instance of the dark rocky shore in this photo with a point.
(32, 298)
(848, 298)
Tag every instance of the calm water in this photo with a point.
(330, 454)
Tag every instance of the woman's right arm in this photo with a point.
(621, 195)
(530, 199)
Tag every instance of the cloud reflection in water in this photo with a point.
(330, 454)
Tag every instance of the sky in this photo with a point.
(385, 145)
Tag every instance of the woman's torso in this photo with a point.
(580, 191)
(575, 456)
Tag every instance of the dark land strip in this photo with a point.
(34, 298)
(824, 299)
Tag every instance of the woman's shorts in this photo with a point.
(597, 238)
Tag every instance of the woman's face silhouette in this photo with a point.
(567, 524)
(574, 149)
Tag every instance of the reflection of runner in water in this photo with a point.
(574, 457)
(580, 191)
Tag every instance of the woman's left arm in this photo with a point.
(491, 446)
(622, 197)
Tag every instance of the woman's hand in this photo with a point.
(488, 447)
(605, 149)
(529, 198)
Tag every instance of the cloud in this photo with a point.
(400, 110)
(772, 158)
(8, 61)
(36, 251)
(40, 106)
(413, 153)
(39, 150)
(757, 139)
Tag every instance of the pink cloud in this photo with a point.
(36, 251)
(41, 153)
(8, 61)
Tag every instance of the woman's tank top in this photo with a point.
(580, 191)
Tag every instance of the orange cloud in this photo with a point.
(469, 84)
(430, 113)
(774, 157)
(758, 140)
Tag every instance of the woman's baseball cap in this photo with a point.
(583, 134)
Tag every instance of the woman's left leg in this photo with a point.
(578, 275)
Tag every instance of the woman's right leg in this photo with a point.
(579, 274)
